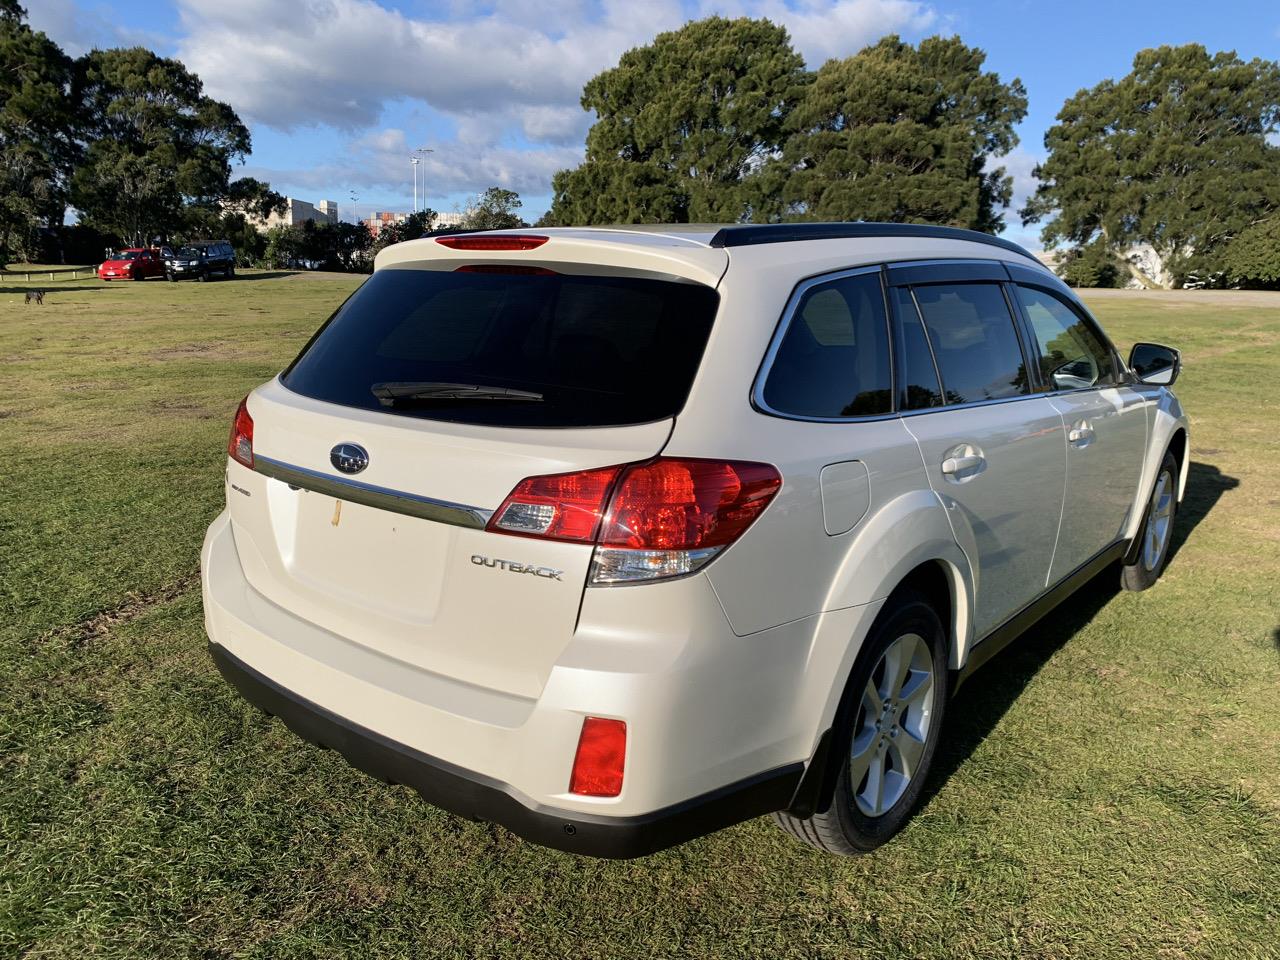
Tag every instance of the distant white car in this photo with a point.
(620, 536)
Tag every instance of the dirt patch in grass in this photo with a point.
(130, 607)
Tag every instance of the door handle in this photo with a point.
(1081, 433)
(953, 465)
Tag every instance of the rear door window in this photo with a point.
(593, 350)
(833, 360)
(975, 344)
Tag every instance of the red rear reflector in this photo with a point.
(598, 764)
(685, 504)
(563, 506)
(507, 268)
(240, 444)
(493, 241)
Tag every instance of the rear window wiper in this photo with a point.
(389, 393)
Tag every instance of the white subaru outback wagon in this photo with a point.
(619, 536)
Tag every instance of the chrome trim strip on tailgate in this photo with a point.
(353, 491)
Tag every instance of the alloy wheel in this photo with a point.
(1159, 522)
(892, 725)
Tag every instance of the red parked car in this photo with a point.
(135, 263)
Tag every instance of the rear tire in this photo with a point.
(895, 700)
(1156, 532)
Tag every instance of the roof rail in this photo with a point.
(751, 233)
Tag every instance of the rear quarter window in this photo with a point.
(833, 359)
(599, 350)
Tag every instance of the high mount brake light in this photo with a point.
(507, 268)
(662, 518)
(493, 241)
(240, 444)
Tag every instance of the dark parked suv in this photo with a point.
(200, 261)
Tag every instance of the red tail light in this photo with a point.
(493, 241)
(687, 504)
(666, 517)
(598, 764)
(240, 446)
(563, 506)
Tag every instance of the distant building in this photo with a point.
(297, 212)
(448, 221)
(382, 218)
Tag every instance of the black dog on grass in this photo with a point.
(35, 296)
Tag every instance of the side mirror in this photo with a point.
(1154, 363)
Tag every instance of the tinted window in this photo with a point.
(1071, 354)
(921, 388)
(599, 350)
(833, 360)
(973, 341)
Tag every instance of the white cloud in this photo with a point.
(821, 29)
(336, 62)
(78, 30)
(1019, 164)
(380, 161)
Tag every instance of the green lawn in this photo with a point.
(1109, 786)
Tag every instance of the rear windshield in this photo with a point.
(592, 351)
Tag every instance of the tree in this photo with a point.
(155, 143)
(285, 246)
(37, 127)
(1253, 258)
(904, 134)
(252, 198)
(495, 209)
(1093, 265)
(1174, 155)
(683, 124)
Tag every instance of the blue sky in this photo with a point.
(338, 92)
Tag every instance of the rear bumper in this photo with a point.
(479, 798)
(715, 730)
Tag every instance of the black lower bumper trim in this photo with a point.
(481, 798)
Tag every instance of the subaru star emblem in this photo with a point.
(349, 457)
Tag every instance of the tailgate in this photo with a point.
(360, 557)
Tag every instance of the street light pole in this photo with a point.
(418, 156)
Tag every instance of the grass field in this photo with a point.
(1109, 787)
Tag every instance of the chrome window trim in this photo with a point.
(370, 495)
(780, 332)
(973, 403)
